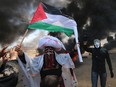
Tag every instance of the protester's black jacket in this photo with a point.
(99, 57)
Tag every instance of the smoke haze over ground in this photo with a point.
(95, 18)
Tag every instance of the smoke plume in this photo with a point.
(14, 18)
(95, 18)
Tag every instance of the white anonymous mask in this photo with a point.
(97, 43)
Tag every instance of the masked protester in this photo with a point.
(8, 70)
(99, 56)
(50, 69)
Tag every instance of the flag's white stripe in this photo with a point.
(66, 22)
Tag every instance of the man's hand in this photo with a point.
(76, 45)
(112, 74)
(19, 50)
(13, 54)
(3, 52)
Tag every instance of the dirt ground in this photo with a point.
(83, 72)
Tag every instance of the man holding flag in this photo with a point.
(49, 69)
(51, 19)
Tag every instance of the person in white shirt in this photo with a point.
(38, 71)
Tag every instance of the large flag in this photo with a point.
(51, 19)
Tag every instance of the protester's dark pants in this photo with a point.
(94, 79)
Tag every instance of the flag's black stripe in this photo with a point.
(51, 10)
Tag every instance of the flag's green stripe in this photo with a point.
(50, 27)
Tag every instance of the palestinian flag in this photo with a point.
(51, 19)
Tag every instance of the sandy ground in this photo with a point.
(83, 73)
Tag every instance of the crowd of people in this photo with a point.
(50, 68)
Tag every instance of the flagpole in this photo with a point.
(24, 36)
(77, 45)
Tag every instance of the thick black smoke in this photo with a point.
(95, 18)
(14, 18)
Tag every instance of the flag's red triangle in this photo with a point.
(39, 14)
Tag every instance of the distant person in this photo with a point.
(99, 56)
